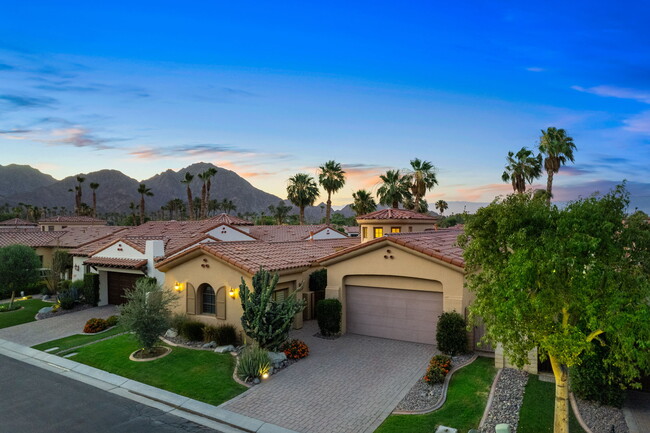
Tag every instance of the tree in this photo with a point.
(211, 172)
(19, 267)
(265, 320)
(280, 212)
(61, 264)
(558, 279)
(442, 206)
(302, 191)
(143, 191)
(394, 189)
(228, 206)
(187, 180)
(332, 179)
(78, 194)
(410, 204)
(522, 167)
(93, 187)
(133, 207)
(422, 178)
(557, 147)
(363, 202)
(147, 311)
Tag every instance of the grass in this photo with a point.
(25, 315)
(466, 398)
(198, 374)
(67, 343)
(536, 414)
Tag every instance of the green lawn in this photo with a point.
(64, 344)
(198, 374)
(17, 317)
(466, 398)
(536, 414)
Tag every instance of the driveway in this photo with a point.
(348, 385)
(40, 331)
(637, 411)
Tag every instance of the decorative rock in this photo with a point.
(256, 381)
(45, 297)
(602, 418)
(210, 345)
(507, 400)
(277, 358)
(224, 349)
(443, 429)
(45, 310)
(171, 333)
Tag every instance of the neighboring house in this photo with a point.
(58, 223)
(352, 231)
(379, 223)
(16, 224)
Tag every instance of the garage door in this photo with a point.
(408, 315)
(117, 284)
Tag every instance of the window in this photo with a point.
(50, 228)
(207, 300)
(365, 232)
(395, 229)
(410, 228)
(280, 295)
(379, 232)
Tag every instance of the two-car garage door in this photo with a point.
(409, 315)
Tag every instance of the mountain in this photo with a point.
(16, 179)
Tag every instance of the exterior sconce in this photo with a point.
(76, 267)
(178, 286)
(232, 293)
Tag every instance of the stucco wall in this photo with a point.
(229, 234)
(120, 250)
(47, 253)
(406, 226)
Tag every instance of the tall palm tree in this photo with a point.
(94, 186)
(363, 202)
(442, 206)
(557, 147)
(133, 207)
(422, 178)
(187, 180)
(332, 179)
(78, 193)
(280, 212)
(302, 191)
(394, 190)
(143, 191)
(227, 206)
(521, 168)
(211, 172)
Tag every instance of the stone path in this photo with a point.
(40, 331)
(347, 385)
(637, 411)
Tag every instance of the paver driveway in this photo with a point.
(348, 385)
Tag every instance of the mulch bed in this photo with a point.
(155, 353)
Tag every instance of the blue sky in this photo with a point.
(271, 89)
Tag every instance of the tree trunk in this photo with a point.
(549, 186)
(207, 198)
(328, 210)
(142, 210)
(190, 204)
(395, 204)
(94, 204)
(204, 205)
(561, 419)
(302, 215)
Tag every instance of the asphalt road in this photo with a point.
(34, 400)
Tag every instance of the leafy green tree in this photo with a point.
(280, 212)
(364, 202)
(557, 279)
(19, 267)
(264, 319)
(187, 180)
(422, 178)
(332, 179)
(302, 191)
(394, 189)
(144, 192)
(557, 147)
(442, 206)
(523, 167)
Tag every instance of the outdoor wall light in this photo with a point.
(178, 286)
(232, 293)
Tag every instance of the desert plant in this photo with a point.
(112, 321)
(223, 335)
(437, 370)
(318, 280)
(192, 331)
(451, 333)
(77, 289)
(95, 325)
(66, 299)
(253, 363)
(91, 289)
(295, 349)
(593, 380)
(265, 320)
(147, 311)
(328, 313)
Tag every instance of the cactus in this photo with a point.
(265, 320)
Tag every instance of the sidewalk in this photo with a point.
(201, 413)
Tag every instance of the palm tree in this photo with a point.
(442, 206)
(94, 186)
(332, 179)
(363, 202)
(133, 208)
(143, 191)
(394, 190)
(80, 180)
(227, 206)
(422, 178)
(302, 191)
(522, 167)
(210, 172)
(187, 180)
(557, 147)
(280, 212)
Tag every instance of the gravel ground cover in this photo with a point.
(507, 400)
(601, 419)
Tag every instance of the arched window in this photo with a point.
(207, 299)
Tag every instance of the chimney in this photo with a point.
(311, 236)
(154, 248)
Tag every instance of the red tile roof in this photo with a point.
(109, 262)
(17, 222)
(31, 239)
(72, 220)
(285, 233)
(74, 237)
(396, 214)
(224, 218)
(352, 229)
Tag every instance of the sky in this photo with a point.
(270, 89)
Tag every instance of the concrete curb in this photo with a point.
(488, 404)
(576, 412)
(184, 407)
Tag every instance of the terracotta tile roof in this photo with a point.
(395, 214)
(17, 222)
(224, 218)
(72, 220)
(250, 256)
(116, 263)
(74, 237)
(285, 233)
(352, 229)
(440, 244)
(31, 239)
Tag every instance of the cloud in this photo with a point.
(535, 69)
(484, 193)
(570, 170)
(18, 101)
(14, 131)
(616, 92)
(186, 150)
(639, 123)
(639, 196)
(77, 86)
(80, 137)
(6, 67)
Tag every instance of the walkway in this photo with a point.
(348, 385)
(637, 411)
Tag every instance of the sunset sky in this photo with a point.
(268, 89)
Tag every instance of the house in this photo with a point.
(57, 223)
(16, 224)
(376, 224)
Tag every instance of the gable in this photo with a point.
(227, 233)
(328, 233)
(120, 250)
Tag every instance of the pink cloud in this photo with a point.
(639, 123)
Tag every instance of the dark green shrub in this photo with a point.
(39, 287)
(328, 312)
(112, 320)
(223, 335)
(595, 381)
(66, 299)
(77, 289)
(253, 363)
(19, 269)
(451, 333)
(64, 285)
(91, 289)
(192, 331)
(318, 280)
(178, 322)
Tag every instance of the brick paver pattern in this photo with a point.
(347, 385)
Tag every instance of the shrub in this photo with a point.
(192, 331)
(328, 313)
(77, 289)
(223, 335)
(253, 363)
(64, 285)
(178, 321)
(19, 266)
(451, 334)
(91, 289)
(437, 370)
(112, 321)
(595, 381)
(318, 280)
(66, 299)
(39, 287)
(95, 325)
(295, 349)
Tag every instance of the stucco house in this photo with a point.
(57, 223)
(16, 224)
